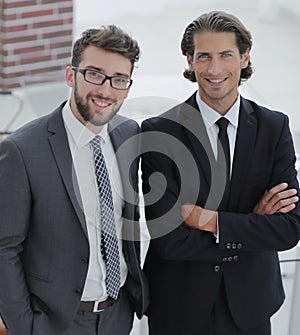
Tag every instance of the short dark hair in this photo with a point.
(217, 21)
(109, 38)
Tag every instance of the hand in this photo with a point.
(278, 199)
(199, 218)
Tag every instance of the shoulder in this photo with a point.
(173, 117)
(124, 123)
(268, 121)
(35, 130)
(166, 120)
(262, 112)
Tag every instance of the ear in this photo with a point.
(245, 59)
(189, 59)
(70, 76)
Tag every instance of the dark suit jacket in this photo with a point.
(44, 248)
(184, 265)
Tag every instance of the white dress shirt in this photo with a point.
(210, 117)
(79, 138)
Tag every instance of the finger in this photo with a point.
(279, 196)
(284, 195)
(186, 210)
(269, 194)
(287, 209)
(286, 202)
(276, 189)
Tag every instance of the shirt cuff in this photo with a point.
(217, 234)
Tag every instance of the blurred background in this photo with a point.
(36, 42)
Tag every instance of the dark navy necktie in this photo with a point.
(224, 151)
(109, 241)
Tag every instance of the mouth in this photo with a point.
(101, 104)
(216, 82)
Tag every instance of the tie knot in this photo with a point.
(96, 141)
(222, 123)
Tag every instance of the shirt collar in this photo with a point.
(211, 116)
(79, 132)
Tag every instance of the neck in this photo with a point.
(220, 105)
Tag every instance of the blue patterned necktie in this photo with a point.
(109, 242)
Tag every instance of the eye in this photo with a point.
(202, 56)
(94, 74)
(226, 54)
(120, 80)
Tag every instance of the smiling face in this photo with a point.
(217, 64)
(94, 105)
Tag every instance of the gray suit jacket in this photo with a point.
(44, 248)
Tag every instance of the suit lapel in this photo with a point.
(244, 147)
(195, 130)
(60, 147)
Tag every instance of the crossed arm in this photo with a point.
(278, 199)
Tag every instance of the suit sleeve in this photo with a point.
(267, 232)
(15, 204)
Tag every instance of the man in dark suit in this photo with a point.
(212, 262)
(69, 258)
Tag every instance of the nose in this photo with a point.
(105, 88)
(214, 67)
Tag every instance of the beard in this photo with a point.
(97, 119)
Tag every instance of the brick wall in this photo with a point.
(35, 41)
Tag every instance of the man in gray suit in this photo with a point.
(59, 271)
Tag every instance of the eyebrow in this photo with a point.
(92, 67)
(221, 52)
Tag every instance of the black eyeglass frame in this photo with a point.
(105, 77)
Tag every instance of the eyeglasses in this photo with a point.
(98, 78)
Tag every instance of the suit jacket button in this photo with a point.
(228, 245)
(229, 259)
(233, 245)
(78, 291)
(239, 245)
(224, 259)
(235, 257)
(217, 268)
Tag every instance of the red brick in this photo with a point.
(13, 74)
(3, 52)
(62, 44)
(20, 39)
(16, 28)
(11, 85)
(58, 33)
(69, 20)
(65, 10)
(8, 64)
(46, 70)
(32, 60)
(48, 23)
(51, 1)
(37, 13)
(66, 55)
(10, 17)
(28, 50)
(15, 4)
